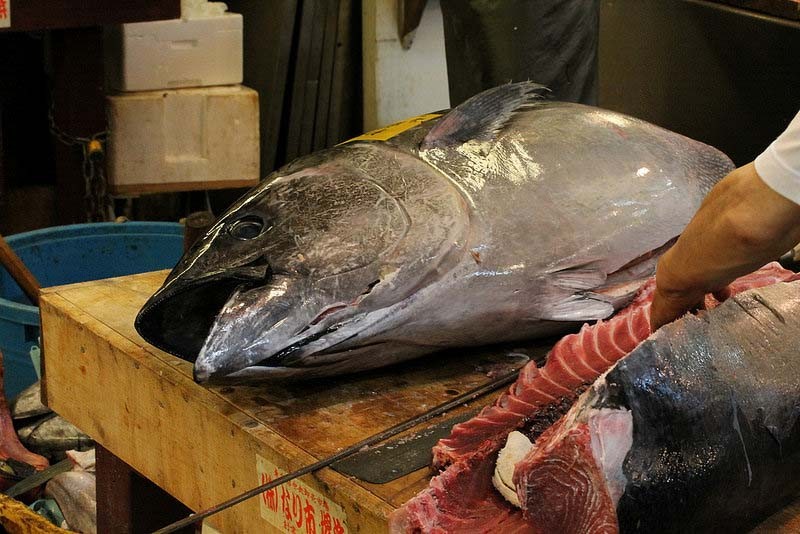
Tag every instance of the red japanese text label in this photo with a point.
(5, 13)
(295, 507)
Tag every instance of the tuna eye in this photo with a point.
(248, 227)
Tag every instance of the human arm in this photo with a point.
(742, 224)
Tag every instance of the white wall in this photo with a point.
(398, 83)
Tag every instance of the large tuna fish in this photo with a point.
(507, 218)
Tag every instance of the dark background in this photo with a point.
(726, 76)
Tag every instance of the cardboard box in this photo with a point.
(183, 139)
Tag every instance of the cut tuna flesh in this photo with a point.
(578, 463)
(576, 360)
(461, 498)
(697, 430)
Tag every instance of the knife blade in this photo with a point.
(39, 478)
(399, 457)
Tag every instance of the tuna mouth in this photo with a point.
(322, 343)
(295, 355)
(315, 347)
(301, 333)
(178, 318)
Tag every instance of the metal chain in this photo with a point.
(99, 205)
(64, 137)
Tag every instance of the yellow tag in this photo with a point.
(387, 132)
(295, 507)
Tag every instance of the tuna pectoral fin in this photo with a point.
(577, 307)
(481, 116)
(568, 296)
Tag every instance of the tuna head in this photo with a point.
(306, 263)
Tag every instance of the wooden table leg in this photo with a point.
(128, 503)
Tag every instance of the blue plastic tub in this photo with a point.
(68, 254)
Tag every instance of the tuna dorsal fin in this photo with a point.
(483, 115)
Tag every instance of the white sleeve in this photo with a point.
(779, 164)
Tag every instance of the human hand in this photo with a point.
(669, 305)
(671, 299)
(667, 308)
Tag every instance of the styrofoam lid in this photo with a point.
(200, 9)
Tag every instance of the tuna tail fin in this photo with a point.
(483, 115)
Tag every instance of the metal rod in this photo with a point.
(377, 438)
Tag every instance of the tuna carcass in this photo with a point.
(693, 430)
(509, 217)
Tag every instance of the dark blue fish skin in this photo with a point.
(715, 401)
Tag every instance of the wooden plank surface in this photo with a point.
(201, 443)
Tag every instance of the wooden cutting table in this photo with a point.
(204, 445)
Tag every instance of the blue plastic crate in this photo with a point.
(69, 254)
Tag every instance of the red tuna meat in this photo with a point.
(574, 464)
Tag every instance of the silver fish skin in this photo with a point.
(510, 217)
(76, 495)
(52, 436)
(29, 403)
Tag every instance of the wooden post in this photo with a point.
(19, 272)
(128, 503)
(196, 225)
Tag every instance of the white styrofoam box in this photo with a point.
(195, 9)
(169, 54)
(183, 139)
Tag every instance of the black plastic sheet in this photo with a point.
(551, 42)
